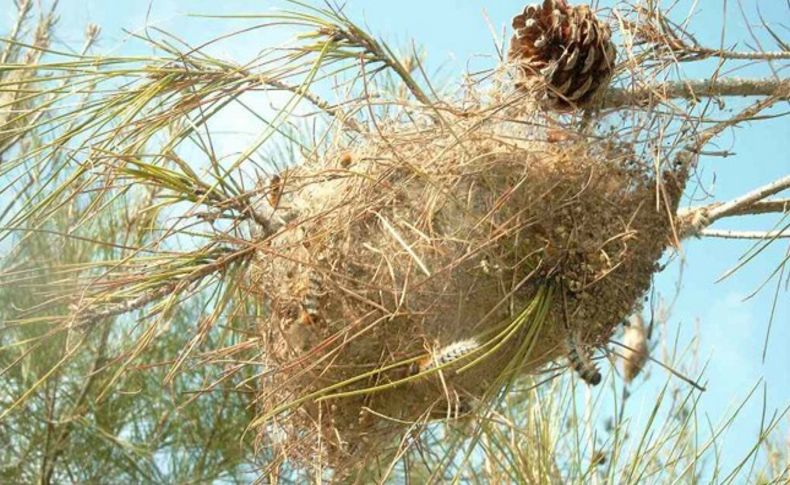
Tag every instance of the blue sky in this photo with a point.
(452, 32)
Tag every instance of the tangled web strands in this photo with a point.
(427, 243)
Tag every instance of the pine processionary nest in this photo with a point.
(413, 280)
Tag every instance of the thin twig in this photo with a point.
(358, 37)
(668, 368)
(24, 9)
(90, 316)
(323, 105)
(687, 155)
(657, 30)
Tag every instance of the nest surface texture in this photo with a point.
(411, 280)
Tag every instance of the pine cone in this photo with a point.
(565, 50)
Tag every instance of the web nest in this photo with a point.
(413, 277)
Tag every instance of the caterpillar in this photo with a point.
(445, 355)
(636, 352)
(582, 363)
(310, 303)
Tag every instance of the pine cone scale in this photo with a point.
(581, 90)
(570, 61)
(588, 63)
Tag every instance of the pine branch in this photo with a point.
(763, 207)
(657, 30)
(748, 209)
(693, 90)
(746, 200)
(321, 104)
(23, 9)
(727, 234)
(687, 156)
(705, 53)
(694, 221)
(346, 33)
(167, 288)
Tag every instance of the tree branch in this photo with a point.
(91, 316)
(748, 199)
(727, 234)
(704, 53)
(693, 221)
(323, 105)
(695, 89)
(749, 209)
(763, 207)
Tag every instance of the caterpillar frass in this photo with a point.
(582, 363)
(311, 313)
(445, 355)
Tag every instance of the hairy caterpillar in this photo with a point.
(582, 363)
(635, 352)
(445, 355)
(310, 299)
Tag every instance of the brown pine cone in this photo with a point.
(564, 50)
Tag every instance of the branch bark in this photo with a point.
(763, 207)
(727, 234)
(695, 220)
(695, 89)
(92, 316)
(743, 202)
(749, 209)
(705, 53)
(332, 110)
